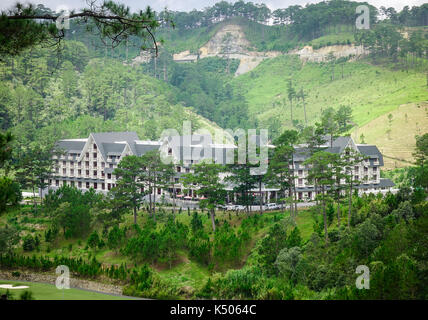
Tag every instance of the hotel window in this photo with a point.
(95, 173)
(95, 146)
(111, 166)
(87, 173)
(79, 172)
(72, 183)
(87, 185)
(375, 177)
(300, 181)
(79, 184)
(87, 164)
(64, 171)
(64, 163)
(103, 165)
(169, 151)
(72, 172)
(103, 186)
(57, 183)
(95, 155)
(159, 191)
(103, 174)
(87, 154)
(178, 169)
(108, 175)
(187, 170)
(374, 169)
(95, 185)
(300, 172)
(356, 168)
(108, 186)
(79, 164)
(356, 177)
(72, 163)
(95, 164)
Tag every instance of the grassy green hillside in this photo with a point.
(398, 144)
(370, 91)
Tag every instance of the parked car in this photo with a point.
(272, 206)
(240, 208)
(231, 207)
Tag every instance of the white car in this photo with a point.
(230, 207)
(240, 208)
(272, 206)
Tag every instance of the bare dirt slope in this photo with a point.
(229, 42)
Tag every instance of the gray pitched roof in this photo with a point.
(111, 137)
(70, 146)
(143, 148)
(198, 145)
(386, 183)
(115, 149)
(372, 152)
(341, 143)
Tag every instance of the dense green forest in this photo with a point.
(80, 85)
(45, 96)
(55, 94)
(167, 253)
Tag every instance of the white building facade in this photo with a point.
(90, 162)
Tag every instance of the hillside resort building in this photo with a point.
(90, 162)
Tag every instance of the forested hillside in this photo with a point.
(46, 96)
(88, 86)
(302, 249)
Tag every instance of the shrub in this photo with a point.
(26, 295)
(16, 274)
(10, 193)
(29, 244)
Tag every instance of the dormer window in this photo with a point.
(95, 146)
(95, 155)
(169, 151)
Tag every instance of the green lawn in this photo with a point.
(42, 291)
